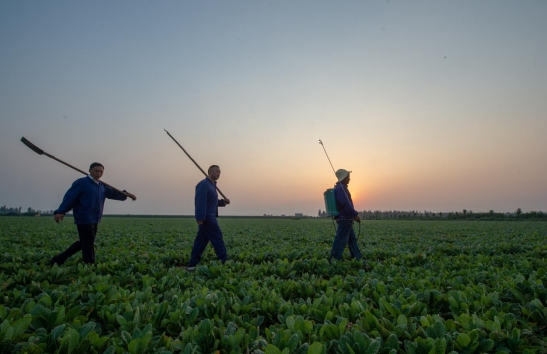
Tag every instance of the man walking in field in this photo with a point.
(345, 236)
(206, 213)
(86, 197)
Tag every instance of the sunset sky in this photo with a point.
(434, 105)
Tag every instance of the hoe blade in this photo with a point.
(31, 146)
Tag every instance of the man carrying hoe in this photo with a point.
(86, 196)
(206, 213)
(345, 236)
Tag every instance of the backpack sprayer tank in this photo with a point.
(330, 202)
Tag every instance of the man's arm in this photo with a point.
(70, 198)
(110, 193)
(200, 202)
(342, 198)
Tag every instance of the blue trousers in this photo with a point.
(345, 236)
(209, 231)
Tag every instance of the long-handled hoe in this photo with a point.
(39, 151)
(190, 157)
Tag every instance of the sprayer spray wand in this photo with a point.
(320, 142)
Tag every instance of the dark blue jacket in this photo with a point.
(344, 204)
(87, 199)
(206, 200)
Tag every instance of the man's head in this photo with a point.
(96, 170)
(343, 176)
(213, 172)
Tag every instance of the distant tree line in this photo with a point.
(367, 214)
(453, 215)
(11, 211)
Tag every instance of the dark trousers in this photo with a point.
(345, 236)
(208, 231)
(86, 244)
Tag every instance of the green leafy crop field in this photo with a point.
(435, 287)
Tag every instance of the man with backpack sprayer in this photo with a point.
(345, 218)
(344, 215)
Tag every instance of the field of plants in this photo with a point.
(435, 287)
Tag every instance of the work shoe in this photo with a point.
(191, 268)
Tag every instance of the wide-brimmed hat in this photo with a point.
(341, 174)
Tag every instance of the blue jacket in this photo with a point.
(206, 200)
(87, 199)
(344, 204)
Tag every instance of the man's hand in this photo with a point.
(200, 222)
(227, 201)
(58, 217)
(132, 196)
(357, 218)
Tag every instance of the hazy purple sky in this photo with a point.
(434, 105)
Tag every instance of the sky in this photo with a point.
(433, 105)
